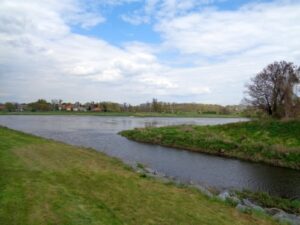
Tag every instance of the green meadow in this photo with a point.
(48, 182)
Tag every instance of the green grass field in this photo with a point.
(272, 142)
(135, 114)
(47, 182)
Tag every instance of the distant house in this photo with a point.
(82, 109)
(21, 107)
(67, 107)
(60, 106)
(88, 106)
(2, 107)
(96, 109)
(77, 107)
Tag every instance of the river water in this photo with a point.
(100, 133)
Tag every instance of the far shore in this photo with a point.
(133, 114)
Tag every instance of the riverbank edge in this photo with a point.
(241, 200)
(131, 135)
(122, 114)
(219, 154)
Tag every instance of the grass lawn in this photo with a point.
(272, 142)
(47, 182)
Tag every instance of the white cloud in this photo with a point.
(215, 32)
(154, 10)
(39, 50)
(136, 18)
(157, 82)
(2, 94)
(205, 56)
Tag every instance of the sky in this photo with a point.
(202, 51)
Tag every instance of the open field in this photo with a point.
(272, 142)
(137, 114)
(47, 182)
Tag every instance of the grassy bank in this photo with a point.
(135, 114)
(46, 182)
(272, 142)
(268, 201)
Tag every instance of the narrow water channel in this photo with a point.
(100, 133)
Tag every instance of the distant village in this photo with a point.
(42, 105)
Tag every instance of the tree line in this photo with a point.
(154, 106)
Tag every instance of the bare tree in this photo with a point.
(272, 90)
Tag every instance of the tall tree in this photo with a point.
(10, 107)
(272, 90)
(40, 105)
